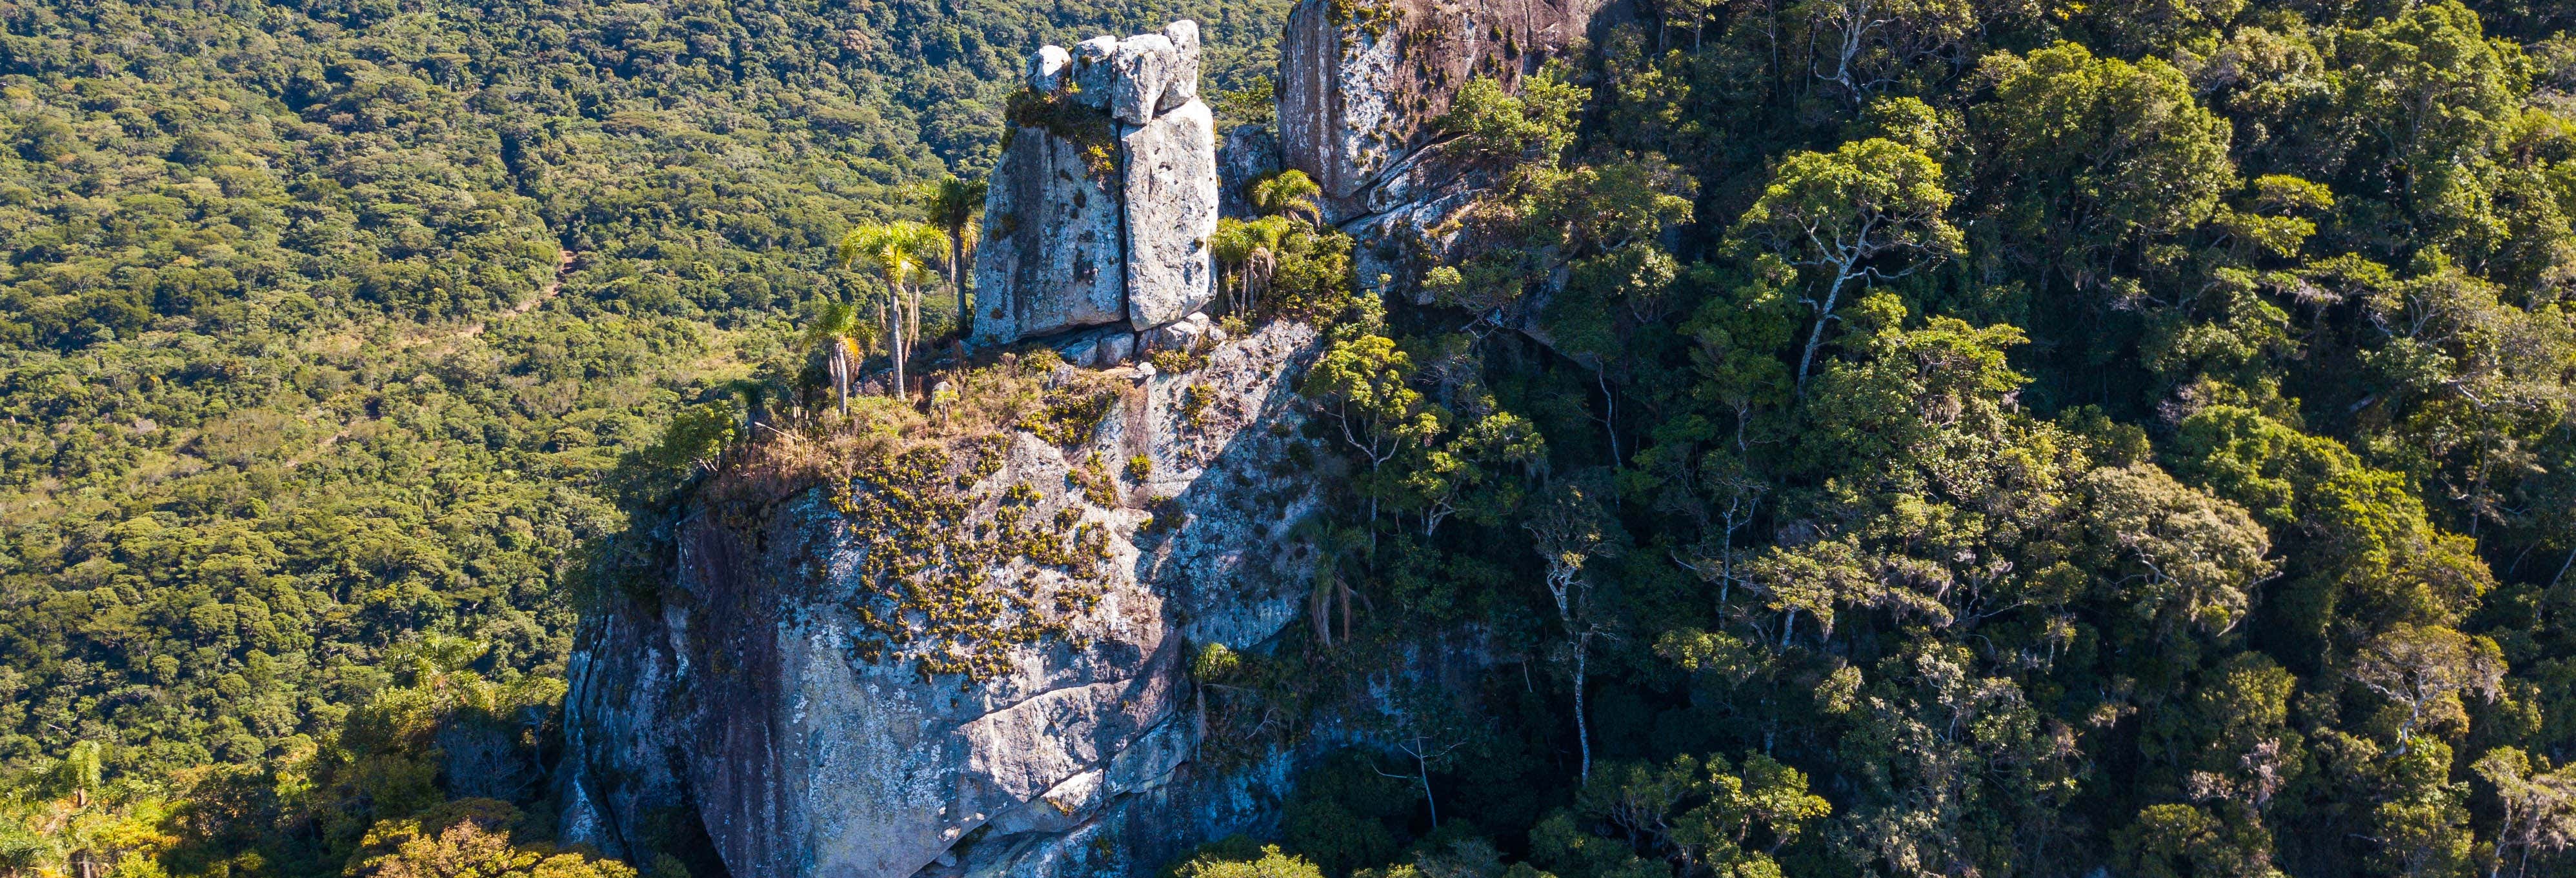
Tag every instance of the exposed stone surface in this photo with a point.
(1186, 333)
(1053, 253)
(1247, 153)
(1141, 70)
(1082, 234)
(731, 702)
(1046, 68)
(1099, 348)
(1092, 70)
(1171, 181)
(1181, 82)
(1359, 96)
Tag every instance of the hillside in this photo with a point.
(326, 329)
(1658, 438)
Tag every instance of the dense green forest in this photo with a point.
(330, 339)
(1958, 437)
(1977, 438)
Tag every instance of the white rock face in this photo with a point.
(1143, 67)
(1099, 348)
(1356, 100)
(1092, 70)
(1046, 68)
(1171, 190)
(1067, 247)
(1181, 83)
(1053, 249)
(735, 699)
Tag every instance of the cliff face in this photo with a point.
(1361, 83)
(747, 699)
(761, 699)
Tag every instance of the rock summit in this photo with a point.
(1106, 193)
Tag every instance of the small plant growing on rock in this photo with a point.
(1073, 413)
(1178, 360)
(955, 574)
(1093, 478)
(1057, 112)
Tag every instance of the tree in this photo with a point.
(1498, 128)
(895, 250)
(1704, 814)
(2185, 558)
(1871, 210)
(1230, 247)
(1867, 45)
(1289, 193)
(1249, 252)
(1569, 529)
(2098, 154)
(1367, 382)
(953, 205)
(2424, 668)
(1270, 864)
(836, 331)
(468, 838)
(1425, 724)
(2539, 806)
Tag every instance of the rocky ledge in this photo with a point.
(764, 697)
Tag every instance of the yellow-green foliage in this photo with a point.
(1089, 128)
(1073, 413)
(1194, 404)
(1373, 18)
(1093, 478)
(1178, 360)
(469, 837)
(953, 575)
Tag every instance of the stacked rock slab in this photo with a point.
(1074, 241)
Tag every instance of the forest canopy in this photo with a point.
(1935, 437)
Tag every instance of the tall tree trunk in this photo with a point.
(1422, 769)
(890, 314)
(1824, 313)
(840, 363)
(1582, 729)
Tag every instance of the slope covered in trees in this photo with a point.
(1956, 437)
(333, 335)
(1976, 438)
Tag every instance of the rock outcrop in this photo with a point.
(1102, 205)
(1362, 82)
(741, 709)
(742, 700)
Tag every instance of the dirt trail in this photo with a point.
(563, 264)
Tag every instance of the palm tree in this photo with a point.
(894, 249)
(836, 329)
(1289, 192)
(1262, 238)
(953, 204)
(1231, 245)
(754, 396)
